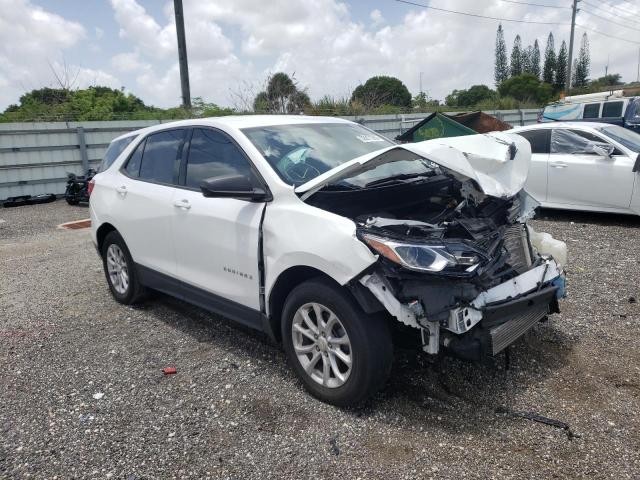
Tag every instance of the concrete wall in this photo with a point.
(35, 157)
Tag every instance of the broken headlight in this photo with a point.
(423, 257)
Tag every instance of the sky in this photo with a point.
(330, 46)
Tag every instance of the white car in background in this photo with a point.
(584, 166)
(329, 238)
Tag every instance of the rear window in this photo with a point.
(161, 157)
(539, 139)
(115, 149)
(612, 109)
(591, 110)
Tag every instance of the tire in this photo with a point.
(115, 249)
(72, 201)
(368, 346)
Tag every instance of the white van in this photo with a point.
(602, 105)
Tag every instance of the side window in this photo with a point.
(212, 154)
(612, 109)
(539, 139)
(133, 165)
(114, 151)
(573, 141)
(592, 110)
(161, 158)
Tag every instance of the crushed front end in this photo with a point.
(473, 282)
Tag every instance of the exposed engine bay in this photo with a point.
(452, 257)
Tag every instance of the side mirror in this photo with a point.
(601, 149)
(233, 186)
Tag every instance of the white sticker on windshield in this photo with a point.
(369, 138)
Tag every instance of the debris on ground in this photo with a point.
(169, 370)
(540, 419)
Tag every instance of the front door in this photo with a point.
(578, 177)
(217, 238)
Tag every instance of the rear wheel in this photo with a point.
(341, 354)
(120, 270)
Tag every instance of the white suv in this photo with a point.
(330, 238)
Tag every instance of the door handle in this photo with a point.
(122, 189)
(184, 204)
(558, 165)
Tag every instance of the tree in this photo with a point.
(549, 69)
(422, 102)
(582, 64)
(534, 59)
(470, 97)
(516, 57)
(561, 67)
(382, 90)
(526, 88)
(610, 80)
(526, 60)
(281, 95)
(501, 70)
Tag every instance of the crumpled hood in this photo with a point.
(498, 162)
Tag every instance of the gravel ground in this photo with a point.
(82, 394)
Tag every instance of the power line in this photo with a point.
(479, 16)
(611, 13)
(622, 9)
(609, 20)
(606, 34)
(535, 4)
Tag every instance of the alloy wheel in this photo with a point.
(117, 269)
(322, 345)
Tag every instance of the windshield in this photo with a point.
(626, 137)
(299, 153)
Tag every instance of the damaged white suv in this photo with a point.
(331, 239)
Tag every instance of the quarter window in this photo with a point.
(539, 139)
(591, 110)
(612, 109)
(212, 154)
(161, 158)
(115, 149)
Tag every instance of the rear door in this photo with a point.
(536, 184)
(578, 177)
(143, 203)
(217, 238)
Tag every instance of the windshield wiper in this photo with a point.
(396, 179)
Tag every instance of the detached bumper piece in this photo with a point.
(503, 323)
(509, 321)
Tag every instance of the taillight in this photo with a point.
(90, 187)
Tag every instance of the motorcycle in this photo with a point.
(78, 187)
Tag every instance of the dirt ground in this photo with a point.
(82, 394)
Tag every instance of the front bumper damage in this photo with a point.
(490, 322)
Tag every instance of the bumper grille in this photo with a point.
(507, 333)
(516, 243)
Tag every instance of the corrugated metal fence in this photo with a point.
(35, 157)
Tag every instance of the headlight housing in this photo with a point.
(423, 257)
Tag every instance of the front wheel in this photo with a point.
(342, 355)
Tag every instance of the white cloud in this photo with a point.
(376, 17)
(30, 39)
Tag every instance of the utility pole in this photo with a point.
(421, 81)
(182, 54)
(574, 9)
(638, 77)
